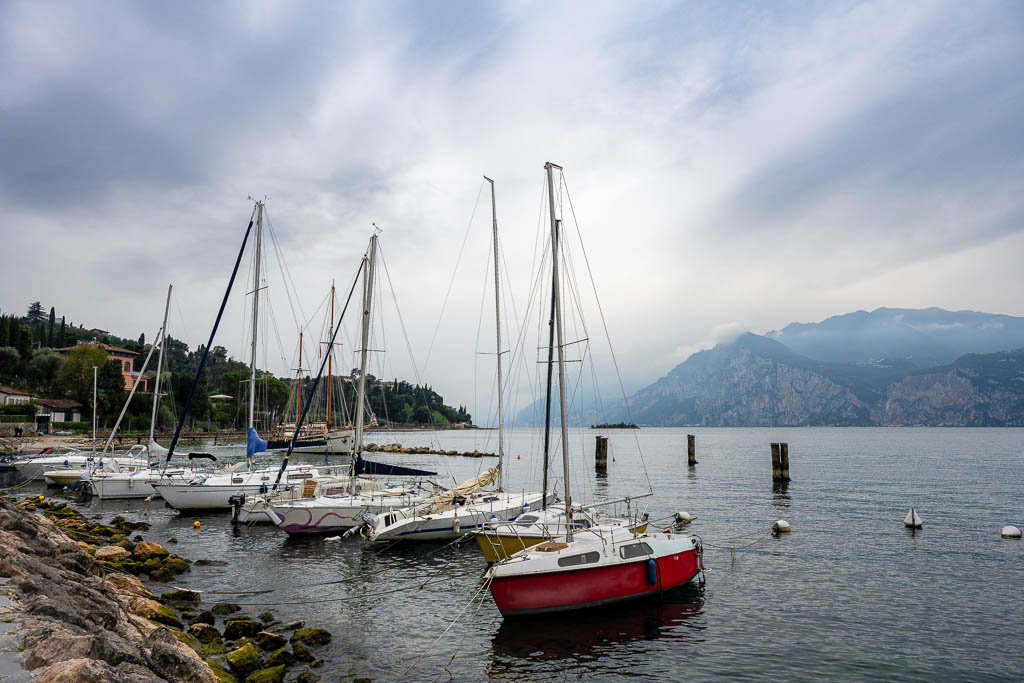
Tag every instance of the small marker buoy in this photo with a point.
(781, 526)
(42, 498)
(518, 456)
(1010, 531)
(684, 517)
(913, 521)
(196, 524)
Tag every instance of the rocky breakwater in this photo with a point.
(84, 616)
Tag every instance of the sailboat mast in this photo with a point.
(94, 371)
(497, 321)
(159, 366)
(298, 397)
(365, 341)
(555, 292)
(330, 355)
(255, 312)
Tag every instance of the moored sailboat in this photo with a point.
(593, 566)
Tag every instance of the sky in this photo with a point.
(731, 166)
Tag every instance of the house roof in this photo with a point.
(13, 392)
(117, 350)
(60, 403)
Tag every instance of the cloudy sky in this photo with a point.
(731, 165)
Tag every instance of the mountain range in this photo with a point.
(920, 367)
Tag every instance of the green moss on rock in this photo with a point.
(312, 636)
(244, 660)
(280, 656)
(274, 674)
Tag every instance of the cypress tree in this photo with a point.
(60, 339)
(49, 328)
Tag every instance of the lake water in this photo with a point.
(849, 595)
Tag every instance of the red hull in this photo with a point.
(590, 587)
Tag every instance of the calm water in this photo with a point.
(849, 595)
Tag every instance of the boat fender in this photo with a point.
(1010, 531)
(684, 517)
(652, 573)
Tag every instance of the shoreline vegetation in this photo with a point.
(82, 611)
(616, 425)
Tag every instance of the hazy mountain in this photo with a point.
(890, 366)
(754, 381)
(926, 337)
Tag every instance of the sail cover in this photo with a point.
(254, 444)
(153, 448)
(467, 487)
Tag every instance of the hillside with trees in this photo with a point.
(30, 362)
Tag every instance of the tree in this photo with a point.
(42, 369)
(35, 314)
(50, 328)
(10, 360)
(110, 390)
(74, 375)
(61, 338)
(142, 339)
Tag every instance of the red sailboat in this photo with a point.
(588, 567)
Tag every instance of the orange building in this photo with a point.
(125, 358)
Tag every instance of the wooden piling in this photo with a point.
(784, 460)
(691, 450)
(601, 454)
(776, 463)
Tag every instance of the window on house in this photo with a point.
(127, 366)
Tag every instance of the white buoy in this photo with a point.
(1010, 531)
(913, 521)
(332, 538)
(684, 517)
(781, 526)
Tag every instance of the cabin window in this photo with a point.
(576, 560)
(635, 550)
(236, 480)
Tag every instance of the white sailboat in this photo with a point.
(213, 491)
(592, 566)
(468, 507)
(340, 510)
(136, 480)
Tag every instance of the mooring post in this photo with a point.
(601, 454)
(691, 450)
(784, 460)
(776, 463)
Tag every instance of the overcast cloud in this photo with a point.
(733, 166)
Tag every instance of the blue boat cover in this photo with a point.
(254, 444)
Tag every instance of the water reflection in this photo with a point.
(780, 496)
(587, 634)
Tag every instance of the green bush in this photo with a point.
(79, 427)
(25, 410)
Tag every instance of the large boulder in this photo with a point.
(274, 674)
(244, 660)
(239, 628)
(145, 550)
(180, 598)
(82, 670)
(153, 610)
(280, 656)
(223, 608)
(270, 641)
(176, 661)
(205, 633)
(204, 617)
(111, 553)
(312, 636)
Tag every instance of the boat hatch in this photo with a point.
(635, 550)
(583, 558)
(526, 520)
